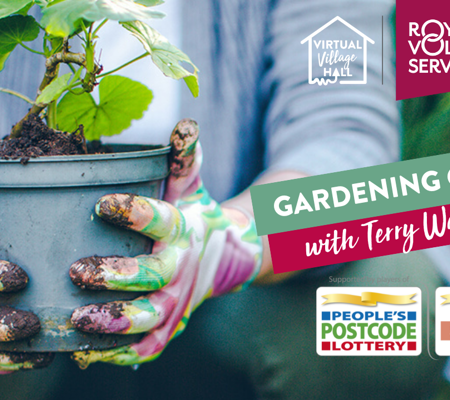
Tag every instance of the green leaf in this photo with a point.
(9, 7)
(61, 18)
(166, 56)
(77, 75)
(53, 91)
(192, 83)
(150, 3)
(122, 100)
(121, 10)
(3, 58)
(24, 11)
(15, 30)
(56, 44)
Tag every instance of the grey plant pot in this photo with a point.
(47, 222)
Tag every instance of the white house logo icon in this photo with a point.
(336, 57)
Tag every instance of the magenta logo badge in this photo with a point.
(423, 48)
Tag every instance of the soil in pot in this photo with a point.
(38, 139)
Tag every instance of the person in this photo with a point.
(262, 121)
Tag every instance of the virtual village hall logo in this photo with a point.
(368, 321)
(333, 60)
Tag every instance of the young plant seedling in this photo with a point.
(66, 100)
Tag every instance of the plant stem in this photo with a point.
(98, 27)
(124, 65)
(52, 66)
(51, 115)
(71, 68)
(44, 46)
(53, 62)
(30, 49)
(17, 94)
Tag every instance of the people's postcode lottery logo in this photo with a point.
(336, 55)
(373, 321)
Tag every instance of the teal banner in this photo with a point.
(351, 195)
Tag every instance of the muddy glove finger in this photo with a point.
(178, 297)
(12, 362)
(17, 324)
(123, 356)
(156, 219)
(185, 161)
(141, 273)
(12, 277)
(125, 317)
(155, 341)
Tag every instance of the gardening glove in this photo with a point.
(17, 324)
(201, 250)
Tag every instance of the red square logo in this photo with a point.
(326, 346)
(445, 330)
(412, 346)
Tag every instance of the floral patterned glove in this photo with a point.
(201, 250)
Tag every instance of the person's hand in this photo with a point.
(17, 324)
(201, 250)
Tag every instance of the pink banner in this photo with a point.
(360, 239)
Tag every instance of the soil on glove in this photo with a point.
(17, 324)
(12, 277)
(34, 360)
(89, 322)
(87, 274)
(118, 211)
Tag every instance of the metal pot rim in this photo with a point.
(144, 164)
(152, 150)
